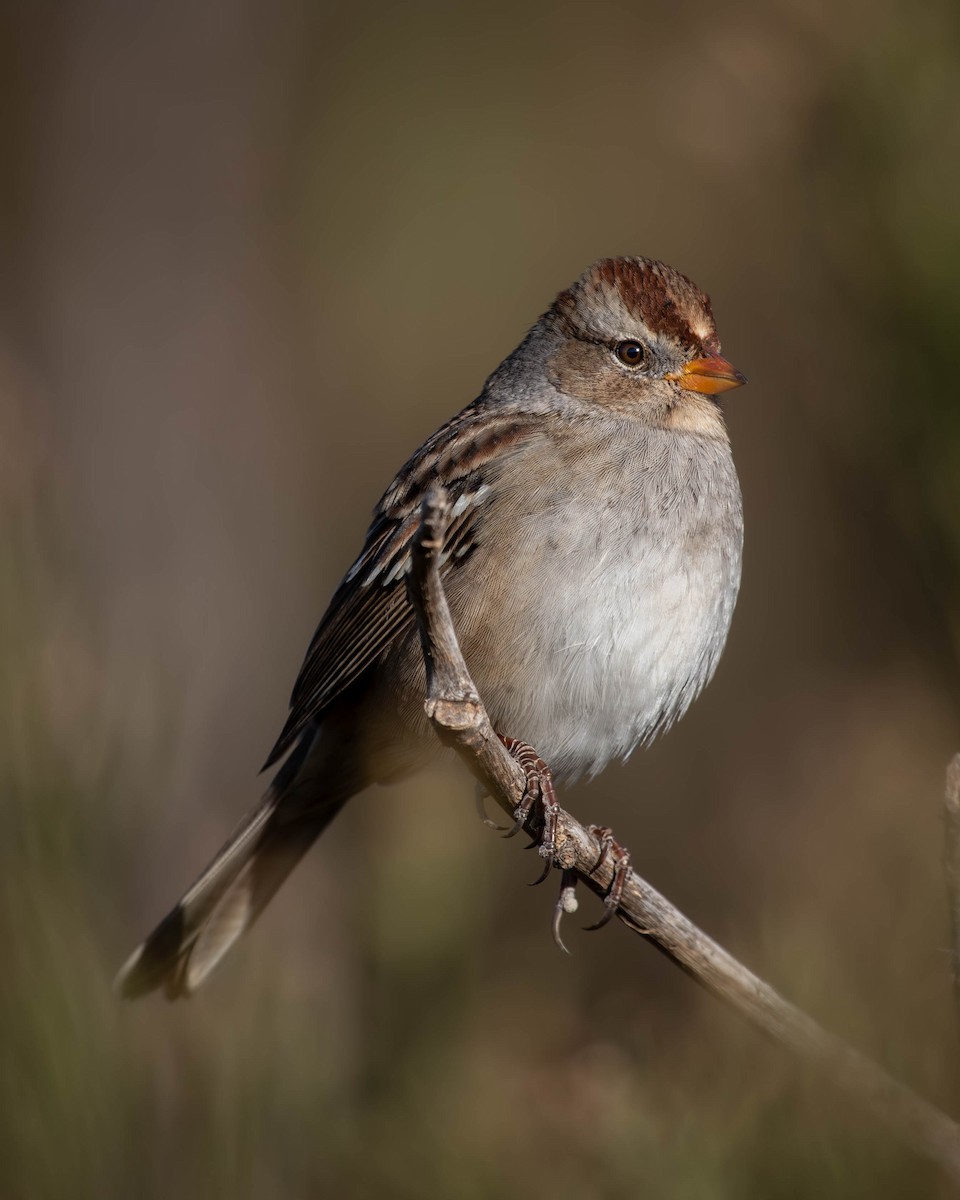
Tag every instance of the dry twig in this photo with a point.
(460, 721)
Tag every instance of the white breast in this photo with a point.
(621, 613)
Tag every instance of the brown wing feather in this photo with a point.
(369, 609)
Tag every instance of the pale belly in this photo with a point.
(605, 635)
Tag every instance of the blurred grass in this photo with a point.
(257, 253)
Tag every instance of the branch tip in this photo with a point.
(640, 907)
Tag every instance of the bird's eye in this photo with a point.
(631, 354)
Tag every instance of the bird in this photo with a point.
(591, 565)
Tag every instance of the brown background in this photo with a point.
(255, 252)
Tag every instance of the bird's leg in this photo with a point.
(538, 792)
(621, 869)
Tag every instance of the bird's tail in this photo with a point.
(233, 890)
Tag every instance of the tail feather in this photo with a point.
(230, 894)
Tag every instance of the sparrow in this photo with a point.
(591, 566)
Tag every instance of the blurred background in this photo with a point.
(252, 253)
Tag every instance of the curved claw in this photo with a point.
(543, 874)
(555, 927)
(515, 827)
(566, 903)
(608, 913)
(482, 812)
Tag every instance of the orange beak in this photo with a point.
(709, 376)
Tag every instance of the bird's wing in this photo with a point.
(369, 609)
